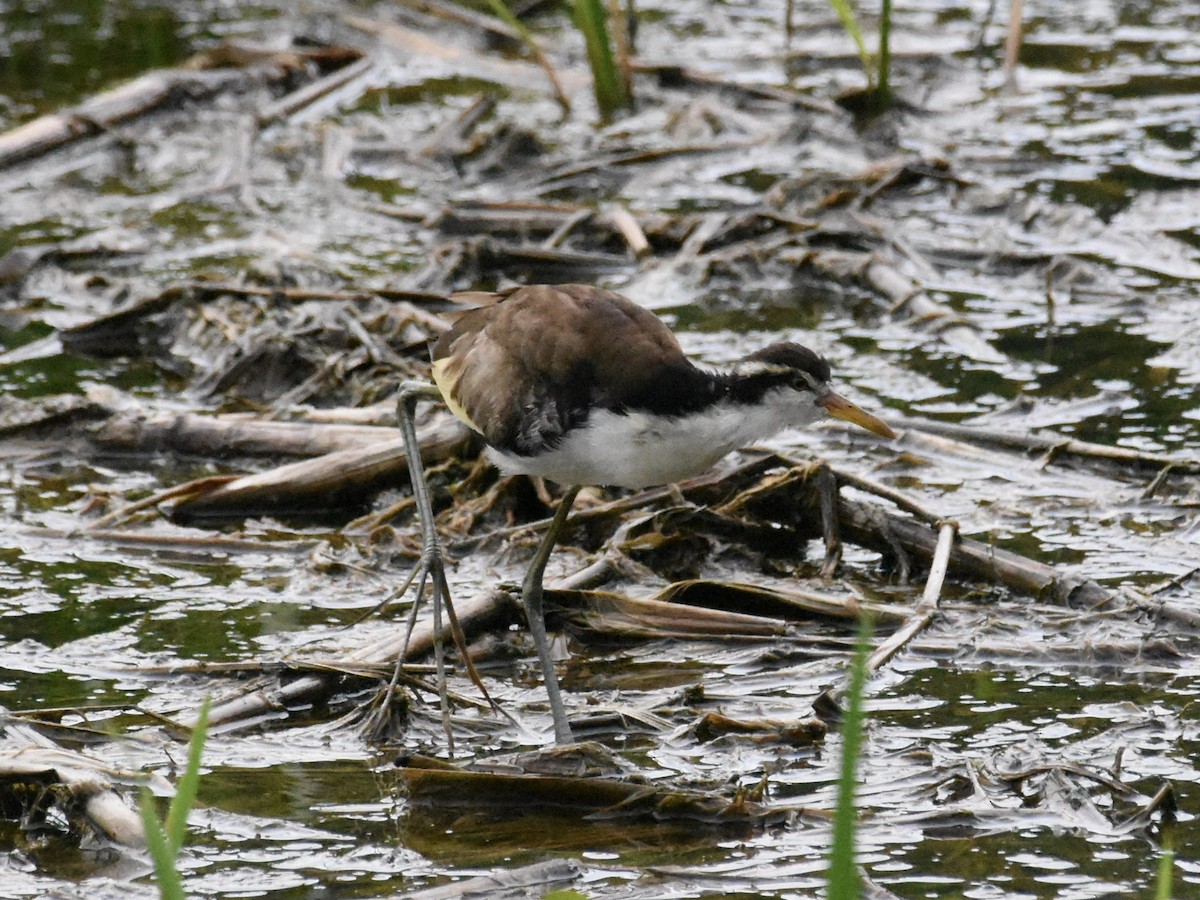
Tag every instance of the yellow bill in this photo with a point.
(841, 408)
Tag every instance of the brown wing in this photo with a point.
(527, 369)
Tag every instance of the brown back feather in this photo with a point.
(525, 369)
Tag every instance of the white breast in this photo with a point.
(639, 450)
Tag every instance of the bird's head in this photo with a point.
(806, 376)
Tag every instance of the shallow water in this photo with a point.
(1065, 232)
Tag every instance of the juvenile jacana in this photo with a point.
(582, 386)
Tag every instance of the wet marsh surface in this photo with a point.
(1006, 259)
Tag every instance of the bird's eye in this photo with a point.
(802, 381)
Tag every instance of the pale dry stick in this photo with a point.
(908, 295)
(102, 112)
(868, 526)
(1157, 482)
(343, 475)
(208, 545)
(235, 434)
(641, 157)
(86, 783)
(535, 880)
(469, 61)
(264, 702)
(1164, 798)
(88, 780)
(334, 667)
(1175, 582)
(902, 292)
(1147, 653)
(607, 613)
(449, 137)
(569, 224)
(828, 703)
(265, 667)
(379, 414)
(1054, 445)
(302, 484)
(290, 104)
(1170, 612)
(927, 607)
(734, 596)
(180, 490)
(503, 217)
(372, 520)
(630, 230)
(720, 81)
(491, 27)
(878, 489)
(1012, 41)
(99, 114)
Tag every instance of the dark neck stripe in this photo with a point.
(749, 390)
(680, 392)
(670, 391)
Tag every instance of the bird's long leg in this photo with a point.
(431, 565)
(531, 597)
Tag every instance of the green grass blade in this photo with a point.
(885, 55)
(170, 882)
(850, 22)
(608, 84)
(501, 11)
(843, 874)
(1166, 868)
(185, 791)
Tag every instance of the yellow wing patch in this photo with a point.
(446, 382)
